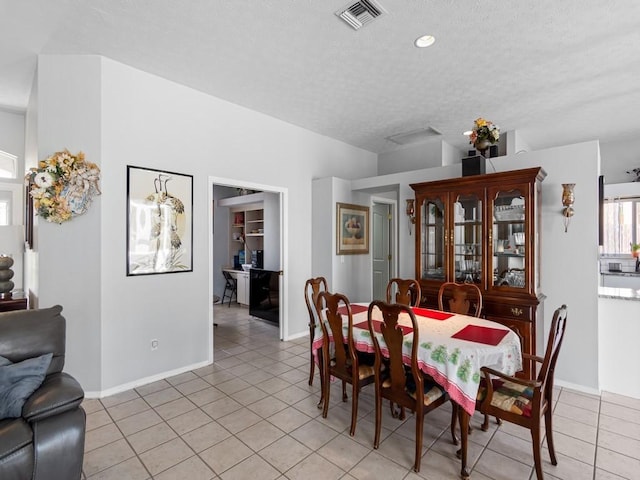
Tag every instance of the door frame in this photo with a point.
(393, 236)
(284, 260)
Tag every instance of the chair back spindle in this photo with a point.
(462, 298)
(407, 291)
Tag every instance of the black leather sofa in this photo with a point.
(47, 441)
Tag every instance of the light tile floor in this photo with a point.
(252, 415)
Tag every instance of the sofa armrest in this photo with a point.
(58, 393)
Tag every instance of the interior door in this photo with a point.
(381, 248)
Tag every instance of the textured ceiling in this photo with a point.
(558, 72)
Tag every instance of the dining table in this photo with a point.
(452, 350)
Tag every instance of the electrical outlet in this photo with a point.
(154, 344)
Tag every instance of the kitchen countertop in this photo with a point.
(235, 271)
(622, 274)
(619, 293)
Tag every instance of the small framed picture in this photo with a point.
(159, 221)
(352, 229)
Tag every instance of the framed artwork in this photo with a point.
(159, 221)
(352, 229)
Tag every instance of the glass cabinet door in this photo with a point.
(509, 237)
(466, 237)
(432, 239)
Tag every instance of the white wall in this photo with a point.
(127, 117)
(69, 255)
(617, 159)
(322, 242)
(12, 131)
(430, 153)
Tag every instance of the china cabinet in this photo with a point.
(485, 229)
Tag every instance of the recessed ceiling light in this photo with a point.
(468, 132)
(425, 41)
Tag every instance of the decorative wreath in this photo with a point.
(63, 186)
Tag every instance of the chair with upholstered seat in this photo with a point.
(404, 385)
(340, 358)
(407, 291)
(525, 402)
(463, 298)
(312, 289)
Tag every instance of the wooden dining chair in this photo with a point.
(525, 402)
(340, 358)
(463, 298)
(466, 299)
(404, 385)
(312, 289)
(408, 291)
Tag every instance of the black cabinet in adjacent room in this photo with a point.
(264, 295)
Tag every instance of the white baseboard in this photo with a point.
(576, 387)
(296, 336)
(144, 381)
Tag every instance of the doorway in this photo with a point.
(384, 262)
(279, 214)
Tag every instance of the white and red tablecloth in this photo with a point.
(452, 347)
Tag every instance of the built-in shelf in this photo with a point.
(246, 220)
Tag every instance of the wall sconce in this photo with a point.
(410, 211)
(567, 200)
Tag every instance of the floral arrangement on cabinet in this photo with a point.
(484, 133)
(62, 186)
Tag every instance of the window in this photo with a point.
(10, 203)
(4, 212)
(8, 165)
(5, 207)
(621, 225)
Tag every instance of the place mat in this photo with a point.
(479, 334)
(376, 327)
(354, 309)
(435, 314)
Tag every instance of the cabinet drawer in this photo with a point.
(519, 312)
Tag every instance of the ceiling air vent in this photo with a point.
(414, 136)
(361, 13)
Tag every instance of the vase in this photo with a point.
(6, 285)
(482, 145)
